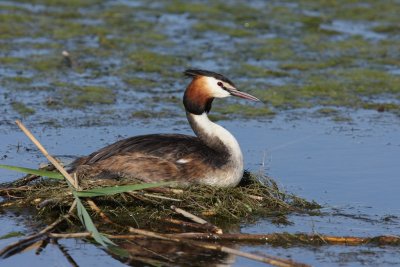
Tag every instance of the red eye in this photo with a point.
(220, 84)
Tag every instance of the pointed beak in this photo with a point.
(244, 95)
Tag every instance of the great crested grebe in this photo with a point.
(213, 157)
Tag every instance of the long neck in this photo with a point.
(214, 136)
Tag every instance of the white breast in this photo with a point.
(230, 174)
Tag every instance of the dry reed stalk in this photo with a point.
(197, 226)
(22, 188)
(47, 155)
(25, 180)
(135, 194)
(31, 246)
(197, 219)
(301, 237)
(95, 208)
(70, 235)
(272, 260)
(8, 250)
(258, 238)
(256, 197)
(65, 253)
(165, 190)
(42, 244)
(162, 197)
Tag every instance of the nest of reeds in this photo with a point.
(256, 196)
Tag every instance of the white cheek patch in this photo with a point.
(216, 90)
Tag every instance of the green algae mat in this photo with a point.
(127, 59)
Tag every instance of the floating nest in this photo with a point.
(130, 219)
(256, 196)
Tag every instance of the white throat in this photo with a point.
(213, 134)
(220, 139)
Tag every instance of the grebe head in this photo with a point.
(207, 85)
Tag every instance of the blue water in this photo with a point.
(350, 168)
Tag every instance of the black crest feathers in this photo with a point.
(197, 72)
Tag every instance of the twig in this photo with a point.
(70, 235)
(197, 219)
(22, 188)
(280, 238)
(14, 247)
(42, 245)
(25, 180)
(300, 238)
(94, 207)
(165, 190)
(76, 181)
(272, 260)
(65, 253)
(189, 215)
(46, 154)
(138, 194)
(148, 262)
(276, 238)
(46, 202)
(30, 246)
(256, 197)
(197, 226)
(162, 197)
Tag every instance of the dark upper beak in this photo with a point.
(244, 95)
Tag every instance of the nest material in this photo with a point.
(256, 196)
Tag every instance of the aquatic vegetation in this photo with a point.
(153, 114)
(253, 71)
(387, 28)
(20, 79)
(141, 84)
(274, 48)
(14, 25)
(256, 196)
(244, 110)
(81, 97)
(322, 63)
(11, 234)
(284, 53)
(233, 31)
(343, 88)
(65, 4)
(45, 64)
(191, 8)
(22, 108)
(149, 61)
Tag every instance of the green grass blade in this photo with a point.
(118, 251)
(11, 234)
(107, 191)
(89, 225)
(50, 174)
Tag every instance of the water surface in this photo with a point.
(327, 130)
(350, 168)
